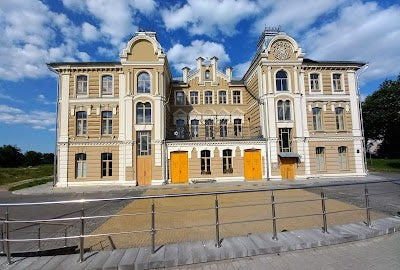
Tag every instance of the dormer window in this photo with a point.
(207, 75)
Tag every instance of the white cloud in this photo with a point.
(372, 35)
(77, 5)
(107, 52)
(89, 32)
(144, 6)
(35, 119)
(293, 15)
(181, 56)
(30, 36)
(240, 69)
(42, 99)
(209, 17)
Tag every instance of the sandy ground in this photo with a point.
(172, 214)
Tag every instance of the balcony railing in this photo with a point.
(214, 132)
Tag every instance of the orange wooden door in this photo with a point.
(144, 170)
(252, 165)
(179, 167)
(287, 168)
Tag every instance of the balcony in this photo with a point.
(213, 132)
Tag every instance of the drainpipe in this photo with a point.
(361, 117)
(165, 170)
(266, 136)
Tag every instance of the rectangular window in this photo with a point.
(194, 98)
(237, 127)
(205, 162)
(209, 128)
(80, 165)
(314, 82)
(143, 143)
(180, 128)
(227, 161)
(81, 122)
(223, 128)
(106, 164)
(285, 139)
(106, 123)
(180, 98)
(208, 97)
(320, 158)
(339, 113)
(236, 97)
(337, 82)
(222, 97)
(81, 85)
(317, 119)
(194, 128)
(342, 151)
(107, 85)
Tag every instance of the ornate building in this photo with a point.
(130, 122)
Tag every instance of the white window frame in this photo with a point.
(101, 94)
(107, 165)
(312, 117)
(226, 96)
(343, 158)
(135, 82)
(109, 122)
(207, 162)
(320, 158)
(343, 120)
(240, 97)
(227, 158)
(190, 97)
(77, 95)
(176, 98)
(204, 97)
(284, 112)
(84, 122)
(144, 112)
(343, 91)
(320, 81)
(80, 166)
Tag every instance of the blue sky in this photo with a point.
(35, 32)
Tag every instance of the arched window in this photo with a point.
(143, 113)
(339, 112)
(80, 165)
(283, 110)
(317, 118)
(281, 81)
(205, 162)
(227, 161)
(143, 83)
(207, 74)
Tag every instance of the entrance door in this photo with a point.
(287, 168)
(179, 167)
(144, 169)
(252, 164)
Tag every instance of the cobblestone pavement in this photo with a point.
(380, 253)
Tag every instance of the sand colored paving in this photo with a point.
(188, 212)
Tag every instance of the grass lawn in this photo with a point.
(384, 165)
(12, 175)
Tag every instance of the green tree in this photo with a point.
(33, 158)
(48, 158)
(381, 114)
(11, 156)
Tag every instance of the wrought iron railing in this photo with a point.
(215, 208)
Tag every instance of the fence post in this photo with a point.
(82, 238)
(153, 229)
(65, 236)
(8, 251)
(38, 236)
(217, 240)
(325, 225)
(368, 223)
(275, 236)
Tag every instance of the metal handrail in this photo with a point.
(153, 230)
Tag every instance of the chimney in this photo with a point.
(214, 64)
(199, 62)
(228, 72)
(185, 72)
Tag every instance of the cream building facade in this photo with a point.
(131, 123)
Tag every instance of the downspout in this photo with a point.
(361, 118)
(165, 170)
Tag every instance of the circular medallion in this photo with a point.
(281, 50)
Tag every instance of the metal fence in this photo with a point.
(271, 203)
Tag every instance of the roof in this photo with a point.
(310, 61)
(78, 64)
(289, 155)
